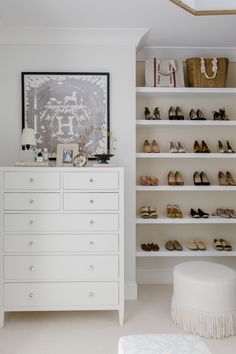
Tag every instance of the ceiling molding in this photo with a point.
(202, 12)
(72, 36)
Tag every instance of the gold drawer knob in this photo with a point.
(91, 267)
(31, 268)
(91, 294)
(31, 295)
(31, 222)
(31, 201)
(91, 222)
(91, 201)
(91, 243)
(31, 243)
(91, 180)
(31, 180)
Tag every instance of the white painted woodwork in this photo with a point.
(91, 180)
(31, 201)
(31, 180)
(91, 201)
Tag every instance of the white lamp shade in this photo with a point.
(28, 137)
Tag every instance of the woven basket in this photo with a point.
(199, 79)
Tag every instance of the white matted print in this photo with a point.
(67, 108)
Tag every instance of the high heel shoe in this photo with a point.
(229, 179)
(204, 179)
(153, 181)
(147, 113)
(180, 148)
(200, 115)
(193, 115)
(221, 146)
(205, 148)
(177, 212)
(196, 147)
(156, 114)
(222, 114)
(203, 214)
(169, 211)
(229, 148)
(178, 179)
(146, 146)
(222, 179)
(194, 214)
(171, 179)
(179, 114)
(171, 113)
(197, 179)
(155, 147)
(173, 147)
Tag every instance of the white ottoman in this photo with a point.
(204, 299)
(162, 344)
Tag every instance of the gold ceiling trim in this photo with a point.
(203, 12)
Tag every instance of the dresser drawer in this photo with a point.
(31, 201)
(61, 243)
(91, 180)
(32, 180)
(71, 267)
(68, 295)
(60, 222)
(91, 201)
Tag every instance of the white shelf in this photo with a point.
(186, 220)
(185, 123)
(188, 155)
(191, 188)
(185, 90)
(209, 252)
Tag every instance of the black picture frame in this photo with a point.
(81, 98)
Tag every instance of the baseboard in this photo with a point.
(131, 291)
(154, 276)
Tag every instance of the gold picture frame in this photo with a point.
(66, 154)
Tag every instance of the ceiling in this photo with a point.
(169, 24)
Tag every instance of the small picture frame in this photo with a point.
(80, 160)
(66, 154)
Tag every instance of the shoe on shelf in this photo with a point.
(171, 113)
(173, 148)
(223, 213)
(201, 245)
(203, 214)
(197, 179)
(232, 213)
(222, 114)
(205, 148)
(177, 212)
(144, 212)
(196, 147)
(222, 179)
(155, 147)
(169, 245)
(147, 113)
(226, 245)
(218, 245)
(194, 214)
(193, 115)
(180, 148)
(153, 181)
(179, 114)
(178, 179)
(156, 114)
(200, 115)
(146, 247)
(177, 245)
(204, 179)
(169, 211)
(221, 147)
(229, 179)
(146, 147)
(143, 181)
(153, 213)
(192, 245)
(171, 179)
(228, 147)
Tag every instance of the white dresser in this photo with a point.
(62, 239)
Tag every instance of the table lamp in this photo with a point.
(28, 142)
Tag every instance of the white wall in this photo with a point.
(120, 62)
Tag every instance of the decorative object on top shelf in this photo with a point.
(28, 144)
(207, 72)
(67, 108)
(105, 158)
(80, 160)
(164, 73)
(66, 154)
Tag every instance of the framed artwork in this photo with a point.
(66, 154)
(67, 108)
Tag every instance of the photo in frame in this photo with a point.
(67, 108)
(66, 154)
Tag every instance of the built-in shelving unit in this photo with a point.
(210, 252)
(167, 155)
